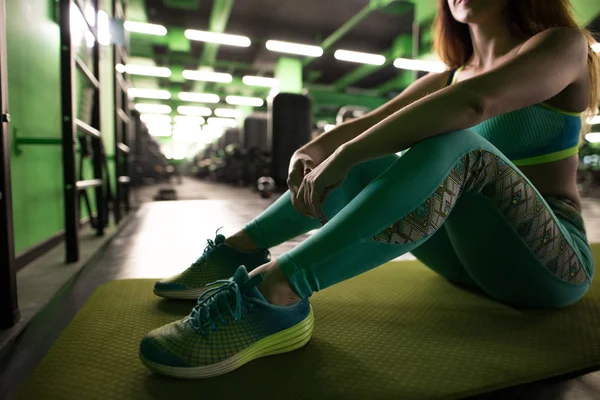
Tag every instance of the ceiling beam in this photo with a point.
(219, 17)
(342, 30)
(400, 82)
(327, 97)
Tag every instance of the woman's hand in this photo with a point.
(317, 184)
(300, 166)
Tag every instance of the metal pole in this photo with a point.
(97, 150)
(9, 308)
(120, 124)
(67, 68)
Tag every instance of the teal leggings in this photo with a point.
(460, 206)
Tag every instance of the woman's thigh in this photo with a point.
(503, 236)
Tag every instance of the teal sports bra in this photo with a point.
(532, 135)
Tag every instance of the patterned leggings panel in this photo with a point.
(483, 172)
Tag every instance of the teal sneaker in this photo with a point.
(218, 261)
(232, 325)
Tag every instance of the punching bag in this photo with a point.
(232, 136)
(290, 129)
(255, 132)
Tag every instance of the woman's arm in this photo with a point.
(325, 144)
(545, 65)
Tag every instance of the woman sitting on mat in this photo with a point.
(486, 196)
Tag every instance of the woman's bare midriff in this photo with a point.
(557, 178)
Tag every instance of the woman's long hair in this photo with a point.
(452, 40)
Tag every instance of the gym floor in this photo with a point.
(162, 238)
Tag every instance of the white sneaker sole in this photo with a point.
(285, 341)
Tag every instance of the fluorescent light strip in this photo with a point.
(294, 48)
(596, 47)
(594, 120)
(357, 57)
(120, 68)
(195, 111)
(260, 81)
(146, 70)
(227, 113)
(207, 76)
(219, 38)
(593, 137)
(154, 118)
(199, 97)
(153, 108)
(189, 120)
(149, 93)
(419, 65)
(222, 122)
(148, 29)
(244, 101)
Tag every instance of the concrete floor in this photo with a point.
(162, 238)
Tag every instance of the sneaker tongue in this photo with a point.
(220, 239)
(241, 275)
(248, 285)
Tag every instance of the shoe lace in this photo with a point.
(215, 304)
(210, 247)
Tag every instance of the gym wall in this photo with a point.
(33, 58)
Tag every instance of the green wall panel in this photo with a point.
(34, 104)
(35, 107)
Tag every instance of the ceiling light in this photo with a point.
(149, 93)
(153, 108)
(207, 76)
(244, 101)
(594, 120)
(223, 122)
(357, 57)
(148, 29)
(294, 48)
(419, 65)
(596, 47)
(227, 113)
(189, 120)
(199, 97)
(219, 38)
(260, 81)
(155, 118)
(196, 111)
(593, 137)
(329, 127)
(146, 70)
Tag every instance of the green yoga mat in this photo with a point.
(396, 332)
